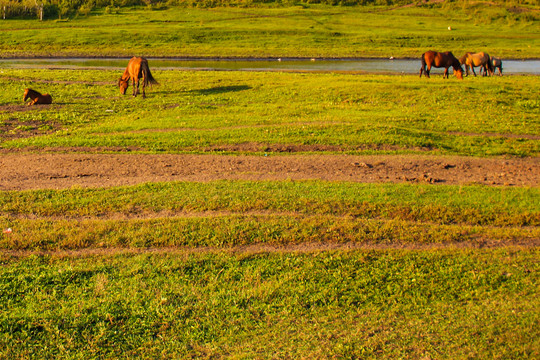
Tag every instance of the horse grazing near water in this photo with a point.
(496, 63)
(137, 68)
(440, 60)
(36, 97)
(472, 60)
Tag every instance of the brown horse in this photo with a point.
(37, 98)
(440, 60)
(472, 60)
(137, 68)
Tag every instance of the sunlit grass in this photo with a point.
(308, 31)
(350, 304)
(193, 111)
(230, 213)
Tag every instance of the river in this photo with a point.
(399, 66)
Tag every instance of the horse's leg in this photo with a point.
(423, 70)
(472, 68)
(445, 75)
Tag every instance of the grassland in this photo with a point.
(195, 112)
(239, 268)
(307, 31)
(347, 304)
(270, 269)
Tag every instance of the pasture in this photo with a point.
(201, 112)
(250, 266)
(268, 214)
(302, 31)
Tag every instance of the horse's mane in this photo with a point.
(32, 92)
(464, 57)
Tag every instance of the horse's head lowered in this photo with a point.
(123, 85)
(458, 70)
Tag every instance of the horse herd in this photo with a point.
(137, 70)
(470, 60)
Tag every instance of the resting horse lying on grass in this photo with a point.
(37, 98)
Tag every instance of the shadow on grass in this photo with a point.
(221, 89)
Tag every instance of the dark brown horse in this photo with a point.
(496, 63)
(37, 98)
(137, 68)
(440, 60)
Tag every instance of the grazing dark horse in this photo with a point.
(472, 60)
(37, 98)
(440, 60)
(496, 63)
(137, 68)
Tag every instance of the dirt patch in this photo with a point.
(15, 128)
(20, 171)
(306, 248)
(16, 108)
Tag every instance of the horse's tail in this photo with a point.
(147, 75)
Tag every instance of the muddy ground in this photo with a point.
(25, 171)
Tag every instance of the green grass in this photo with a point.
(309, 31)
(231, 213)
(178, 270)
(195, 112)
(349, 304)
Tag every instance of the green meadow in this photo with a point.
(158, 271)
(303, 31)
(444, 304)
(272, 269)
(194, 112)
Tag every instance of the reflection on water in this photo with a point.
(406, 66)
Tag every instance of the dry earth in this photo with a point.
(25, 171)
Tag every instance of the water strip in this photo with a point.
(399, 66)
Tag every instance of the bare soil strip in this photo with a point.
(304, 248)
(22, 171)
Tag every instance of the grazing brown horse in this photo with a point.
(440, 60)
(137, 68)
(472, 60)
(37, 98)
